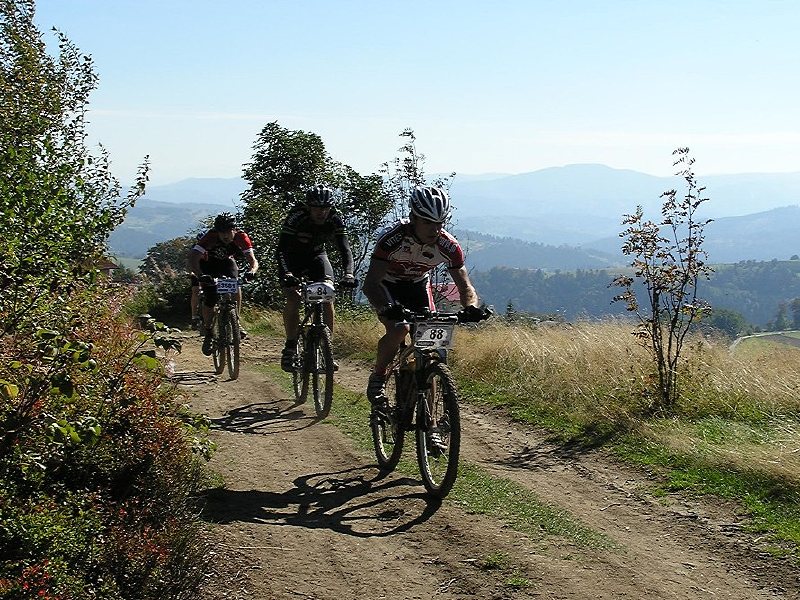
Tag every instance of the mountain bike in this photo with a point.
(313, 361)
(226, 337)
(423, 398)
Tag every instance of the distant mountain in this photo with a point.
(150, 222)
(485, 252)
(218, 191)
(576, 206)
(761, 236)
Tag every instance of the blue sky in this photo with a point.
(506, 86)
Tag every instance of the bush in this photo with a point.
(99, 463)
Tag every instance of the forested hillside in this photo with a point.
(754, 289)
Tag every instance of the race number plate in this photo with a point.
(320, 291)
(227, 286)
(434, 335)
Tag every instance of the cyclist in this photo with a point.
(221, 246)
(308, 227)
(398, 277)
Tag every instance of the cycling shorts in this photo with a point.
(413, 295)
(314, 267)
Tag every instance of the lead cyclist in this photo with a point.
(398, 277)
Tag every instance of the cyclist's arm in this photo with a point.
(252, 262)
(466, 291)
(373, 288)
(344, 251)
(194, 261)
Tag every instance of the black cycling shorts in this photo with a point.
(413, 295)
(217, 268)
(314, 267)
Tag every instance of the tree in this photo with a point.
(167, 259)
(730, 322)
(284, 165)
(58, 202)
(668, 260)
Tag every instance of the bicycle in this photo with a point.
(423, 398)
(314, 358)
(226, 337)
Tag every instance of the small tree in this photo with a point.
(668, 261)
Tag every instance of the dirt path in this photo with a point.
(303, 513)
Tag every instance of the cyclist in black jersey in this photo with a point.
(301, 253)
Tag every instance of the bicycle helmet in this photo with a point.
(319, 195)
(430, 203)
(224, 222)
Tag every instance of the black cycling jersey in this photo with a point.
(300, 237)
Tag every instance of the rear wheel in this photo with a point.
(233, 342)
(388, 430)
(217, 344)
(438, 431)
(299, 373)
(321, 368)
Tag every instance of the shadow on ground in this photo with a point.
(353, 502)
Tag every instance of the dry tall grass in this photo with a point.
(736, 409)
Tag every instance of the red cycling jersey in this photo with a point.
(216, 250)
(408, 259)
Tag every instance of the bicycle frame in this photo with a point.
(314, 363)
(413, 362)
(226, 346)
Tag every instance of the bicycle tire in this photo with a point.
(321, 369)
(299, 372)
(388, 431)
(217, 350)
(438, 433)
(233, 343)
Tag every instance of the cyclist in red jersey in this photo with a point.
(398, 277)
(220, 246)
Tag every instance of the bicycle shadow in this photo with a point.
(190, 378)
(350, 502)
(264, 418)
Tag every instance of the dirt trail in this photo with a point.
(304, 514)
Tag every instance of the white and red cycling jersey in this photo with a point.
(410, 260)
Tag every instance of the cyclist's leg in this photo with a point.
(194, 298)
(209, 301)
(291, 310)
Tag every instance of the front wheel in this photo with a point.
(388, 429)
(232, 344)
(218, 344)
(300, 372)
(438, 431)
(321, 367)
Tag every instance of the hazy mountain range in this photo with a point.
(557, 218)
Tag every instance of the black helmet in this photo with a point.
(319, 195)
(224, 222)
(431, 203)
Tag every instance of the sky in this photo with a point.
(488, 87)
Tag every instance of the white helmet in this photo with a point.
(431, 203)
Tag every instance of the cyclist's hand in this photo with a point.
(290, 281)
(473, 314)
(393, 312)
(249, 276)
(206, 280)
(349, 282)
